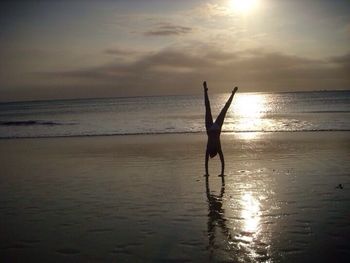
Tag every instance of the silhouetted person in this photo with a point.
(214, 130)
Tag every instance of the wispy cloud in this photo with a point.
(347, 29)
(125, 53)
(168, 30)
(210, 10)
(342, 62)
(120, 51)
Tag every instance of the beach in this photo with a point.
(143, 198)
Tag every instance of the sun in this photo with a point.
(243, 6)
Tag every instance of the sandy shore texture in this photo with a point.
(144, 199)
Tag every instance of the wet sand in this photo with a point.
(144, 199)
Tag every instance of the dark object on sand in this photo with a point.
(340, 186)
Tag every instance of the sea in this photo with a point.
(249, 112)
(285, 196)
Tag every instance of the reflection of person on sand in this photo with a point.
(224, 243)
(216, 217)
(214, 130)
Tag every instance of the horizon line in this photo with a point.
(155, 96)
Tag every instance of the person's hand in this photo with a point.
(234, 90)
(205, 85)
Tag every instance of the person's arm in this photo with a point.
(222, 163)
(206, 163)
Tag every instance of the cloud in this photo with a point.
(342, 60)
(120, 51)
(168, 30)
(210, 10)
(347, 29)
(125, 54)
(181, 71)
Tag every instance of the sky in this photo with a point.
(84, 49)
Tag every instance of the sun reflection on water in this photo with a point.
(236, 229)
(250, 229)
(250, 213)
(250, 105)
(249, 114)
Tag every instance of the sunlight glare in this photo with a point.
(243, 6)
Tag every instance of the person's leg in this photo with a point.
(208, 117)
(206, 163)
(222, 162)
(220, 119)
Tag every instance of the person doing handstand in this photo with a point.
(214, 130)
